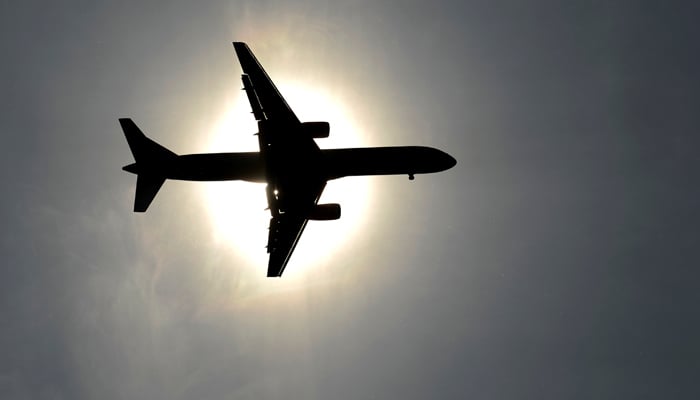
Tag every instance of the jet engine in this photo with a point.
(325, 212)
(317, 130)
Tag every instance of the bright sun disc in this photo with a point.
(237, 209)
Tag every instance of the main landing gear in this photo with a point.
(411, 177)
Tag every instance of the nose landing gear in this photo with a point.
(411, 177)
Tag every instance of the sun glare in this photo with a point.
(237, 209)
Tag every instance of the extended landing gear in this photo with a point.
(411, 177)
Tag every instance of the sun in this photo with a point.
(237, 209)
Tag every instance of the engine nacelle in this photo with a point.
(317, 130)
(325, 212)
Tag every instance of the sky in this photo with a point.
(558, 259)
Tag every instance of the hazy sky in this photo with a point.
(559, 259)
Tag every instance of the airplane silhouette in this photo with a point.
(290, 162)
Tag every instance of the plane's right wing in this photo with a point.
(272, 104)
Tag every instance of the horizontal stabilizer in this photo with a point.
(144, 149)
(147, 187)
(151, 158)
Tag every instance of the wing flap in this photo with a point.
(253, 98)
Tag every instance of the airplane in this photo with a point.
(295, 169)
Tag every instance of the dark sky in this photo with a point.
(559, 259)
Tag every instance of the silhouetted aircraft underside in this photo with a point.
(289, 161)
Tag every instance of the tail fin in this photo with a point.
(150, 159)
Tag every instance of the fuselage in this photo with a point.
(332, 164)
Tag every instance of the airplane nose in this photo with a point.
(447, 161)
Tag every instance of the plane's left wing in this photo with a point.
(285, 231)
(287, 226)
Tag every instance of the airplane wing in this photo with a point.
(293, 185)
(285, 232)
(273, 105)
(287, 226)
